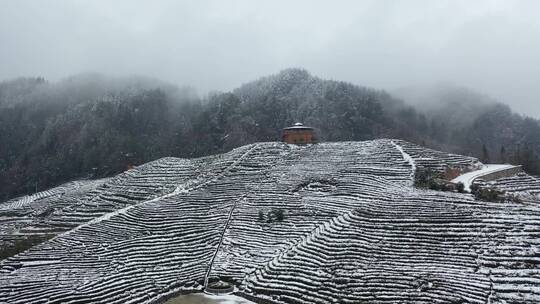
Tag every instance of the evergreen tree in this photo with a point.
(503, 155)
(485, 155)
(90, 126)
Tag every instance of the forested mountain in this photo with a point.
(86, 126)
(466, 122)
(93, 126)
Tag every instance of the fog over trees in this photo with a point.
(489, 45)
(90, 126)
(460, 76)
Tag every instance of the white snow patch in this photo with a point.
(468, 178)
(407, 158)
(202, 298)
(38, 263)
(228, 299)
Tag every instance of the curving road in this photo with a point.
(468, 178)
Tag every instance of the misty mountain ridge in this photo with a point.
(92, 125)
(83, 87)
(438, 100)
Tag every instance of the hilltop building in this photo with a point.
(299, 134)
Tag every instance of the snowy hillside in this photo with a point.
(354, 231)
(62, 208)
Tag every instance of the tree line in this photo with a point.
(91, 126)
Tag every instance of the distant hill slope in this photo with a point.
(466, 122)
(60, 209)
(92, 126)
(354, 230)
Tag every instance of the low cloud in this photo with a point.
(491, 46)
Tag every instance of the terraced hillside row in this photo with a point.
(521, 184)
(22, 219)
(25, 201)
(436, 160)
(423, 250)
(354, 230)
(147, 246)
(60, 209)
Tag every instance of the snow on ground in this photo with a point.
(202, 298)
(468, 178)
(523, 185)
(25, 201)
(408, 158)
(369, 237)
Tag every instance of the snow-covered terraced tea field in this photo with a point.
(354, 231)
(436, 160)
(521, 184)
(62, 208)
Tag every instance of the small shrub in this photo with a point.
(513, 198)
(427, 178)
(423, 178)
(279, 214)
(433, 185)
(489, 195)
(474, 188)
(460, 187)
(21, 245)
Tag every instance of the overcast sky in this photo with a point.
(491, 46)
